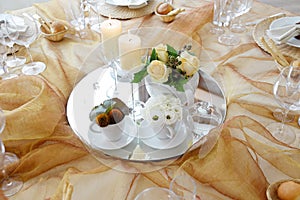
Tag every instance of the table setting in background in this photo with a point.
(173, 99)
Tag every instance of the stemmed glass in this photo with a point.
(9, 36)
(10, 185)
(231, 9)
(286, 91)
(216, 23)
(74, 11)
(184, 187)
(5, 74)
(156, 193)
(93, 4)
(26, 39)
(245, 6)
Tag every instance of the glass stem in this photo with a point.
(4, 66)
(116, 77)
(5, 69)
(284, 116)
(133, 103)
(5, 176)
(5, 181)
(97, 13)
(28, 52)
(13, 52)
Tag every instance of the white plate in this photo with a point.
(285, 21)
(134, 4)
(157, 143)
(99, 140)
(145, 131)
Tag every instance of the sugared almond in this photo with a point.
(115, 116)
(164, 8)
(289, 190)
(57, 27)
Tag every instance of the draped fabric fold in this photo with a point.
(234, 161)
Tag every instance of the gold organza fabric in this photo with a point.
(237, 160)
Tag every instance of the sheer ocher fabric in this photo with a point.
(235, 161)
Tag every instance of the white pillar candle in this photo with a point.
(129, 51)
(110, 29)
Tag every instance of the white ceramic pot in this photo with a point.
(112, 132)
(186, 97)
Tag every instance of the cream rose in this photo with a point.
(189, 64)
(162, 53)
(158, 71)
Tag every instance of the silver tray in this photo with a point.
(94, 85)
(92, 90)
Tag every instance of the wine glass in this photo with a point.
(26, 39)
(184, 187)
(156, 193)
(286, 91)
(216, 23)
(9, 156)
(243, 6)
(93, 4)
(5, 74)
(10, 185)
(279, 112)
(10, 33)
(229, 10)
(74, 11)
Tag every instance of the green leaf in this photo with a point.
(180, 83)
(172, 51)
(109, 103)
(177, 80)
(154, 55)
(138, 77)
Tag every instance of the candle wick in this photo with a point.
(109, 23)
(130, 40)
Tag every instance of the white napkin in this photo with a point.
(282, 34)
(10, 20)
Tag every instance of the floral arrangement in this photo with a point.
(168, 66)
(165, 109)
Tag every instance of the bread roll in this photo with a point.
(289, 190)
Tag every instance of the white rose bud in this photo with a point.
(189, 64)
(158, 71)
(162, 53)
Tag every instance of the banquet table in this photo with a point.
(237, 160)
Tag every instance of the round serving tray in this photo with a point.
(92, 90)
(95, 84)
